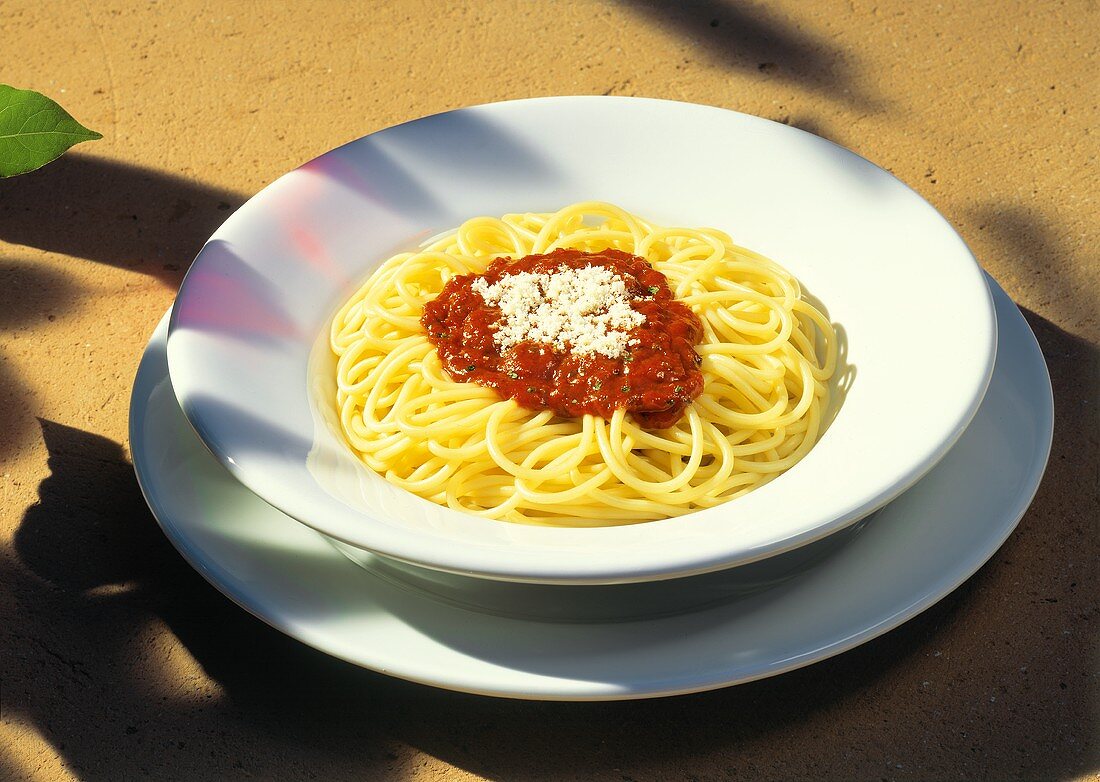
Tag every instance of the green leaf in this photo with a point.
(34, 130)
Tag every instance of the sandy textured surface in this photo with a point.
(118, 662)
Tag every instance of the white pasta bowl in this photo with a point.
(246, 344)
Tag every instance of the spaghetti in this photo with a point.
(766, 357)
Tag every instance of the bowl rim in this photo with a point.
(503, 563)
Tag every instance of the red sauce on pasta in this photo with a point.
(654, 377)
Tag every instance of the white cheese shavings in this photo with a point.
(581, 311)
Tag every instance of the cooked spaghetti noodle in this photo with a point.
(767, 357)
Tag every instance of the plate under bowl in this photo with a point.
(915, 550)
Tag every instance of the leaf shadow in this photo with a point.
(31, 295)
(754, 41)
(115, 213)
(1025, 243)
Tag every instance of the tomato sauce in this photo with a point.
(654, 379)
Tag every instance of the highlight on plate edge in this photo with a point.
(584, 367)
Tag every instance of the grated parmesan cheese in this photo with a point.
(579, 311)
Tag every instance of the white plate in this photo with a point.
(910, 298)
(914, 552)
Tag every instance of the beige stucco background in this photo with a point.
(119, 662)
